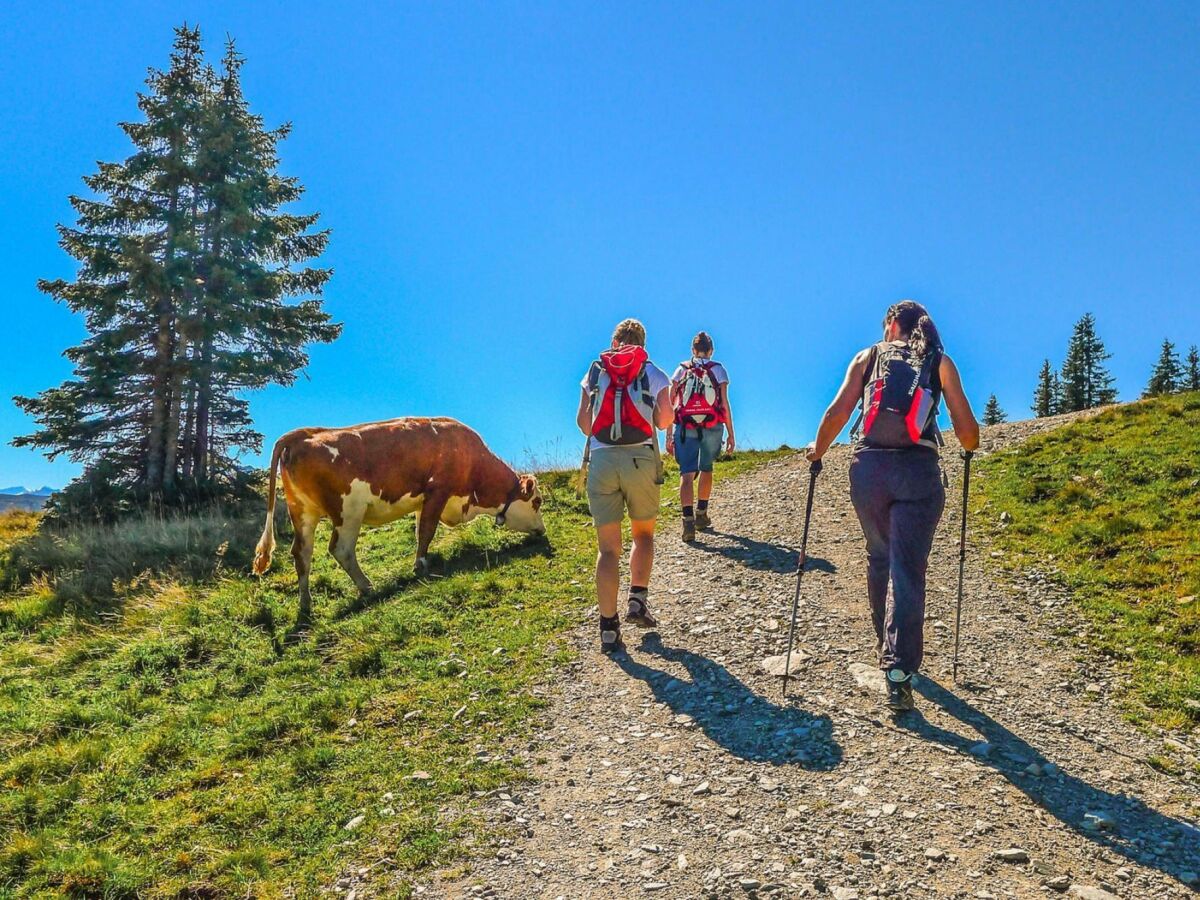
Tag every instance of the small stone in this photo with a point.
(354, 823)
(773, 665)
(675, 780)
(868, 677)
(1012, 855)
(889, 809)
(1094, 688)
(935, 854)
(844, 893)
(681, 863)
(420, 775)
(654, 886)
(1084, 892)
(702, 789)
(1059, 883)
(749, 884)
(1097, 821)
(981, 750)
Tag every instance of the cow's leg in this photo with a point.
(304, 524)
(341, 545)
(427, 525)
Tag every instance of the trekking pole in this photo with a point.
(962, 555)
(813, 471)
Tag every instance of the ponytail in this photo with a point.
(702, 343)
(916, 326)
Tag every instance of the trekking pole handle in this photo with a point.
(965, 455)
(815, 467)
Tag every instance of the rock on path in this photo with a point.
(678, 771)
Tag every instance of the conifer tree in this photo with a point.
(992, 413)
(1191, 380)
(1086, 382)
(132, 240)
(187, 267)
(1045, 396)
(1168, 376)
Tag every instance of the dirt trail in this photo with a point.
(677, 770)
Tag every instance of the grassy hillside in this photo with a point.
(168, 735)
(1113, 503)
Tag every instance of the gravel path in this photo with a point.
(678, 771)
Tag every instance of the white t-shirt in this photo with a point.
(658, 382)
(719, 375)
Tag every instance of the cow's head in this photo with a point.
(524, 510)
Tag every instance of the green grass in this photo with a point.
(176, 739)
(1113, 503)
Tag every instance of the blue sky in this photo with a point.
(505, 181)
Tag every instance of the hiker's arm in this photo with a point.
(583, 418)
(966, 429)
(731, 441)
(842, 407)
(664, 413)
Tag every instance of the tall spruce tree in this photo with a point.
(1045, 396)
(1086, 382)
(133, 240)
(1191, 380)
(186, 267)
(992, 413)
(1168, 376)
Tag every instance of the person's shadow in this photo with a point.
(733, 716)
(1137, 832)
(761, 555)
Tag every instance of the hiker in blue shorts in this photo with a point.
(700, 396)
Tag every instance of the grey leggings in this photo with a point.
(899, 498)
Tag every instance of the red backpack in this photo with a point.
(622, 405)
(698, 397)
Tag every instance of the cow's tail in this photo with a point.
(266, 544)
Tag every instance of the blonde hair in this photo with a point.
(631, 331)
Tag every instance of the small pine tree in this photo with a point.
(992, 413)
(1086, 382)
(1045, 396)
(1168, 375)
(1191, 380)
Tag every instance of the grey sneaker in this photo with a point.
(689, 530)
(639, 613)
(899, 690)
(703, 522)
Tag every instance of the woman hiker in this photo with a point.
(895, 475)
(700, 396)
(624, 399)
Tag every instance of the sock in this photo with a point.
(702, 505)
(638, 592)
(689, 513)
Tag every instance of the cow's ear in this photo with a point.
(528, 486)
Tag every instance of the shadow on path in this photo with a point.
(733, 716)
(760, 555)
(1138, 832)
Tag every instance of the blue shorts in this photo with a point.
(696, 449)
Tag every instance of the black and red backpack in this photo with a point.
(622, 405)
(697, 396)
(900, 400)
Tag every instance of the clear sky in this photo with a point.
(505, 181)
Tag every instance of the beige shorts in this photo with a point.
(620, 477)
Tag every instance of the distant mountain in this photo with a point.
(30, 502)
(20, 491)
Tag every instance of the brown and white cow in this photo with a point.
(376, 473)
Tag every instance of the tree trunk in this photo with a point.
(158, 479)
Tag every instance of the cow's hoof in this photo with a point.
(421, 569)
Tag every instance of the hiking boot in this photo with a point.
(703, 522)
(899, 691)
(639, 613)
(610, 636)
(689, 530)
